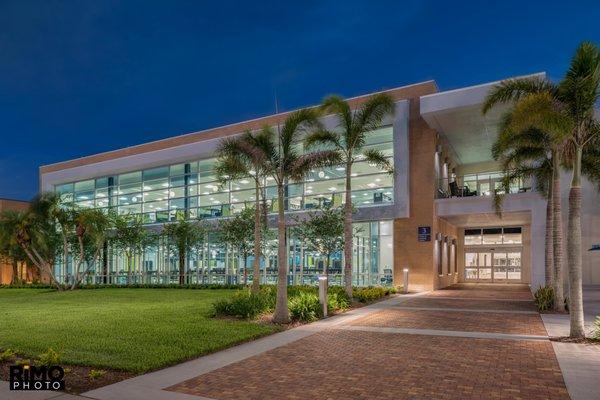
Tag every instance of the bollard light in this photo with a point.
(323, 293)
(405, 284)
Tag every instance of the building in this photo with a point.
(434, 216)
(8, 266)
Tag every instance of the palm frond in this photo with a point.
(337, 105)
(304, 163)
(297, 123)
(580, 88)
(540, 111)
(511, 90)
(322, 137)
(377, 158)
(371, 114)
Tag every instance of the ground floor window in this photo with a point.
(215, 263)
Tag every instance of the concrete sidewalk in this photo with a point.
(579, 363)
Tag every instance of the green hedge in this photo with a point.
(303, 301)
(371, 293)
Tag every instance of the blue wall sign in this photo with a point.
(424, 233)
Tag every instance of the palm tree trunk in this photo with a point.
(181, 254)
(281, 315)
(15, 271)
(348, 233)
(257, 240)
(574, 251)
(549, 245)
(557, 240)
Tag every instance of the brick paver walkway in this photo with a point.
(476, 304)
(340, 364)
(526, 324)
(360, 364)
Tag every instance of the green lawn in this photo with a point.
(130, 329)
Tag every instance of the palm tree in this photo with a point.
(91, 230)
(240, 157)
(348, 140)
(567, 111)
(36, 237)
(181, 237)
(525, 155)
(9, 248)
(283, 163)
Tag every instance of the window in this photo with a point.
(493, 236)
(472, 237)
(157, 192)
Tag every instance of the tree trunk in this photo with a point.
(348, 233)
(42, 265)
(574, 251)
(549, 245)
(15, 271)
(245, 261)
(181, 266)
(281, 315)
(559, 298)
(257, 241)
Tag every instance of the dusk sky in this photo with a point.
(81, 77)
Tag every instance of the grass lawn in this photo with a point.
(129, 329)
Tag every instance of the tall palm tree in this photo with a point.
(525, 155)
(241, 157)
(348, 140)
(513, 91)
(283, 163)
(567, 111)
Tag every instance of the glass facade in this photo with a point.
(213, 262)
(190, 190)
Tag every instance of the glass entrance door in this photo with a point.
(502, 265)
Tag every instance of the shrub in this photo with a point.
(337, 300)
(305, 307)
(544, 298)
(50, 357)
(368, 294)
(596, 333)
(96, 373)
(6, 355)
(21, 362)
(243, 304)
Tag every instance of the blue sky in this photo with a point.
(81, 77)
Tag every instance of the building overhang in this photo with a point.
(457, 116)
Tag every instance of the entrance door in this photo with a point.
(493, 265)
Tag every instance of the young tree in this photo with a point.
(566, 110)
(283, 163)
(348, 140)
(238, 233)
(92, 227)
(130, 238)
(240, 157)
(181, 237)
(323, 231)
